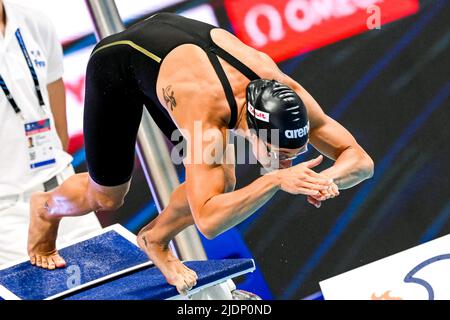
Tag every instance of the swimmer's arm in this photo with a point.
(215, 211)
(79, 195)
(352, 163)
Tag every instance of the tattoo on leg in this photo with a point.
(169, 98)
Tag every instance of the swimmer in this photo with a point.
(184, 72)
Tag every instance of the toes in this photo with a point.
(183, 292)
(51, 263)
(189, 284)
(190, 281)
(185, 285)
(192, 277)
(48, 262)
(193, 282)
(182, 288)
(39, 261)
(192, 272)
(44, 263)
(59, 261)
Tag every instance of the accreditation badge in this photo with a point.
(41, 151)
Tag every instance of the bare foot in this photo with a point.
(176, 273)
(42, 234)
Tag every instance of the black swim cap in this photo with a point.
(273, 105)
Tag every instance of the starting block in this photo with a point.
(109, 266)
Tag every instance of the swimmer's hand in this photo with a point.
(316, 200)
(301, 179)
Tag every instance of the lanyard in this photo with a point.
(33, 75)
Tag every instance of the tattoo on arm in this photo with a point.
(169, 98)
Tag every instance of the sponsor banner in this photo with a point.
(285, 28)
(420, 273)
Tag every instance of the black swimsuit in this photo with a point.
(121, 78)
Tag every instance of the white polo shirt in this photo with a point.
(46, 53)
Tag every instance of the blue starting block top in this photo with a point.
(150, 284)
(106, 266)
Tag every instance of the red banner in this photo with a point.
(285, 28)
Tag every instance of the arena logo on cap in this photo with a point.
(285, 28)
(297, 133)
(258, 114)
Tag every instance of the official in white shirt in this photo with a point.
(33, 126)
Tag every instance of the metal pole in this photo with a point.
(152, 149)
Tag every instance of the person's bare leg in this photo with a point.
(154, 239)
(42, 235)
(77, 196)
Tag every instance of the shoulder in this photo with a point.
(267, 68)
